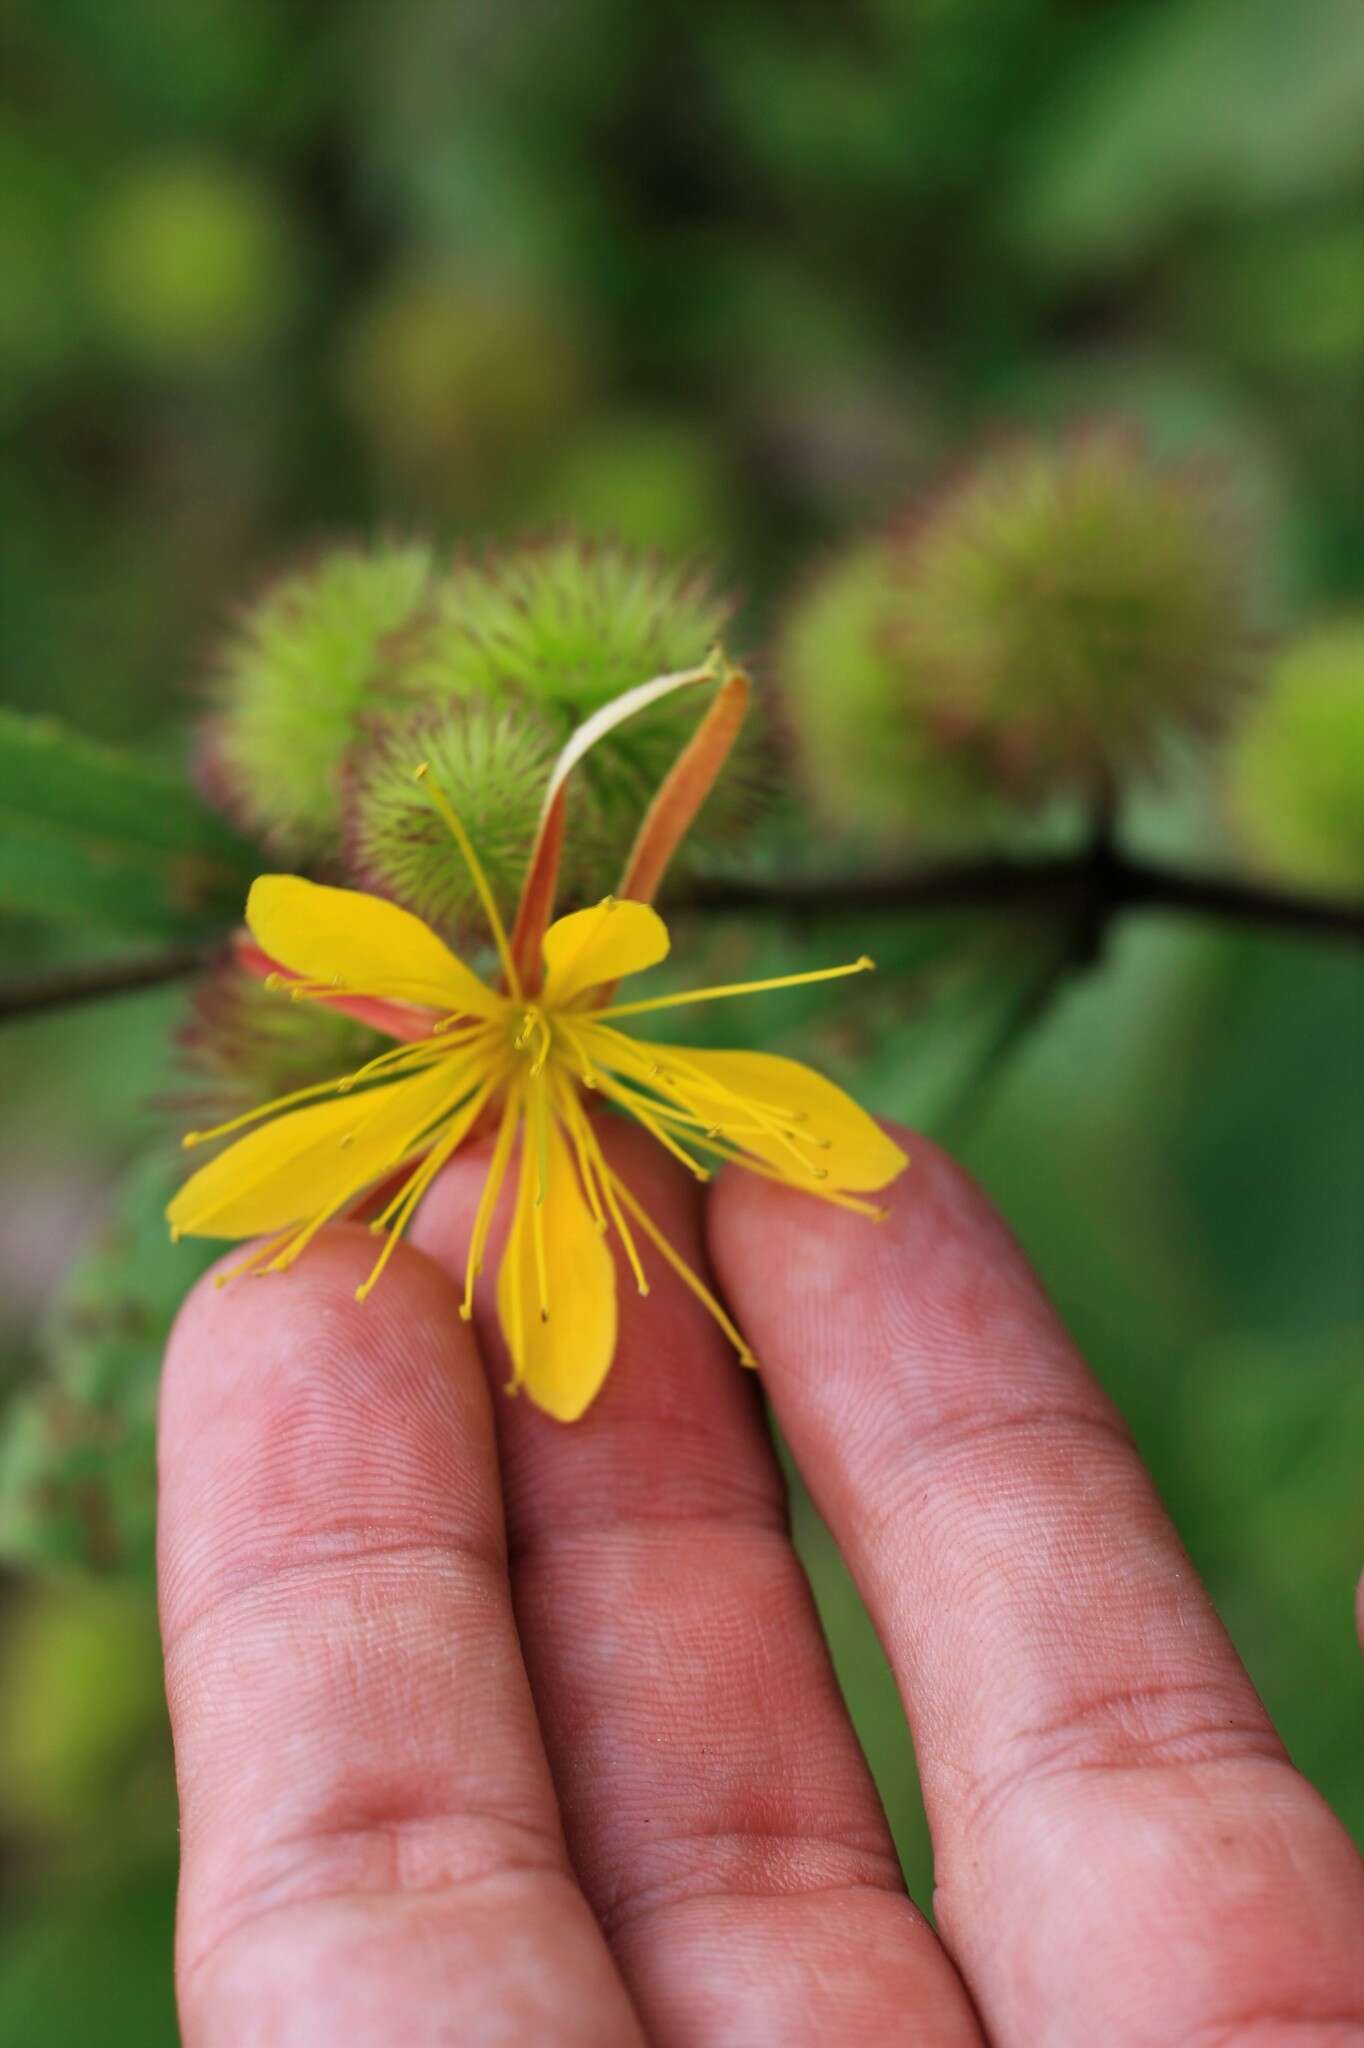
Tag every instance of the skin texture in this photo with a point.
(494, 1731)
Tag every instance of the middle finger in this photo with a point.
(719, 1812)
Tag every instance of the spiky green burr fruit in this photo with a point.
(872, 765)
(492, 759)
(561, 626)
(567, 622)
(1295, 770)
(289, 685)
(1063, 608)
(242, 1043)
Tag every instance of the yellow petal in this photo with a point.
(589, 947)
(561, 1361)
(799, 1124)
(305, 1162)
(362, 943)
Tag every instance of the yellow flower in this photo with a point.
(522, 1057)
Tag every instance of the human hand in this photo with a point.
(490, 1730)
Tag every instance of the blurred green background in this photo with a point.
(731, 281)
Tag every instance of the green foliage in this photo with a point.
(457, 384)
(191, 266)
(80, 1715)
(647, 477)
(92, 1962)
(77, 1454)
(108, 839)
(1295, 772)
(1214, 103)
(290, 685)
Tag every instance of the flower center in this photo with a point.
(532, 1035)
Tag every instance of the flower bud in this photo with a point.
(1295, 771)
(289, 685)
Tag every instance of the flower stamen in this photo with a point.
(863, 965)
(679, 1265)
(487, 1201)
(479, 879)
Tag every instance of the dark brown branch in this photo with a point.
(1118, 883)
(56, 988)
(1096, 885)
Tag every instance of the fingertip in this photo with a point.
(287, 1404)
(938, 1229)
(933, 1187)
(237, 1331)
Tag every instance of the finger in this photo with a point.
(371, 1846)
(1123, 1852)
(718, 1809)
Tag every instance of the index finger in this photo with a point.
(1124, 1852)
(371, 1847)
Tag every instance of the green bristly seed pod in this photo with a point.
(565, 622)
(873, 767)
(289, 686)
(561, 626)
(239, 1043)
(350, 671)
(492, 758)
(1061, 609)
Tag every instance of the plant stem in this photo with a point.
(56, 988)
(1096, 886)
(1120, 883)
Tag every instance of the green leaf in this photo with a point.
(90, 833)
(78, 1449)
(1230, 105)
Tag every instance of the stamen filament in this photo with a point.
(516, 1333)
(480, 880)
(605, 1179)
(681, 1268)
(642, 1111)
(768, 1118)
(421, 1180)
(316, 1088)
(572, 1112)
(487, 1201)
(538, 1095)
(257, 1258)
(412, 990)
(751, 1164)
(864, 965)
